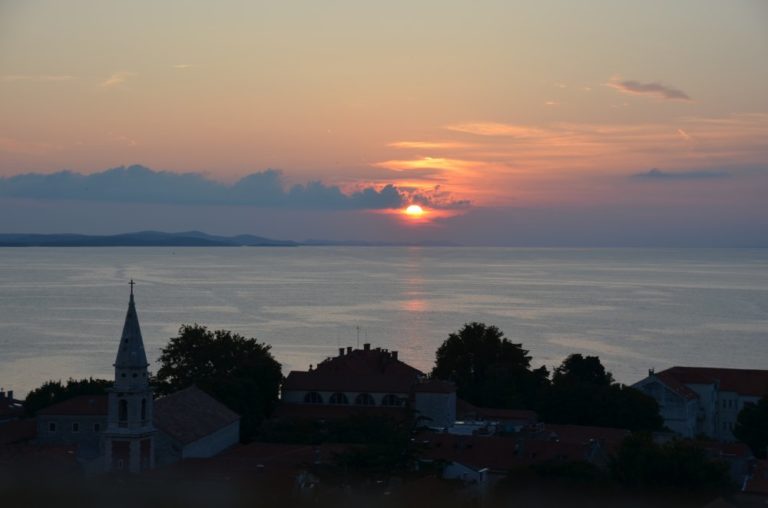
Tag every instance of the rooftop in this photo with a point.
(191, 414)
(82, 405)
(742, 381)
(359, 370)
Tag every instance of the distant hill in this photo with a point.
(140, 239)
(183, 239)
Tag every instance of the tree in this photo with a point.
(240, 372)
(582, 392)
(487, 368)
(52, 392)
(752, 427)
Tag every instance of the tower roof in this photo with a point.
(131, 353)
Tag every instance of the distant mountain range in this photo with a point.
(161, 239)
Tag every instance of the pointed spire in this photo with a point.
(131, 353)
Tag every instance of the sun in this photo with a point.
(414, 211)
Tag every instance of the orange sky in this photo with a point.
(501, 104)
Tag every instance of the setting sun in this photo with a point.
(414, 211)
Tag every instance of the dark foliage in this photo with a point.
(582, 392)
(52, 392)
(752, 427)
(240, 372)
(489, 370)
(641, 463)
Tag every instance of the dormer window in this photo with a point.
(391, 399)
(313, 398)
(338, 398)
(365, 399)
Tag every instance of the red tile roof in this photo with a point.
(334, 412)
(742, 381)
(676, 385)
(467, 411)
(361, 370)
(10, 408)
(191, 414)
(82, 405)
(18, 431)
(499, 453)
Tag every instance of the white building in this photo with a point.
(704, 400)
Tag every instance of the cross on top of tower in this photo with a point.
(131, 284)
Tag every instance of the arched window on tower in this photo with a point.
(313, 398)
(338, 398)
(143, 410)
(122, 412)
(365, 399)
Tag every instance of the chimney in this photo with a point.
(341, 351)
(10, 394)
(349, 349)
(651, 372)
(366, 347)
(394, 355)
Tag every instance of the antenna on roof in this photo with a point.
(358, 336)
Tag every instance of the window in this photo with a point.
(51, 426)
(143, 409)
(313, 398)
(96, 427)
(391, 399)
(338, 398)
(364, 399)
(75, 427)
(122, 410)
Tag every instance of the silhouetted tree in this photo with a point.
(52, 392)
(240, 372)
(752, 427)
(582, 392)
(488, 369)
(678, 464)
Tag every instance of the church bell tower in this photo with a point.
(129, 444)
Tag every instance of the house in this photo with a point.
(704, 400)
(369, 381)
(10, 408)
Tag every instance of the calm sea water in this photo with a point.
(61, 310)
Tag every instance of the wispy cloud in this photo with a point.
(37, 77)
(658, 174)
(495, 129)
(657, 90)
(117, 78)
(428, 145)
(182, 66)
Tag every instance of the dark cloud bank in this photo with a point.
(139, 184)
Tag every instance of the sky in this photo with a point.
(525, 123)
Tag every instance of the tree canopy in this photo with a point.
(240, 372)
(488, 369)
(52, 392)
(752, 427)
(583, 392)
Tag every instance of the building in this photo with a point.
(128, 430)
(368, 380)
(706, 401)
(10, 408)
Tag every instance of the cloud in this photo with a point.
(182, 66)
(703, 174)
(261, 189)
(117, 78)
(652, 89)
(495, 129)
(39, 78)
(428, 145)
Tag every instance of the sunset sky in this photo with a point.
(510, 122)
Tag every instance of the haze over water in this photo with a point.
(62, 309)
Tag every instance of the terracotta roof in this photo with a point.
(10, 408)
(82, 405)
(499, 453)
(18, 431)
(435, 386)
(361, 370)
(609, 437)
(757, 483)
(467, 411)
(334, 412)
(742, 381)
(191, 414)
(671, 382)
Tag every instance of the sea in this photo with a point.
(62, 309)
